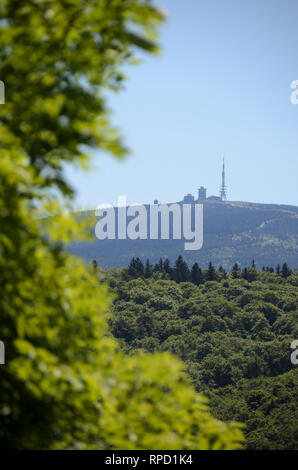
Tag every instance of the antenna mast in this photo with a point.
(223, 188)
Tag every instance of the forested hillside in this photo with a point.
(233, 231)
(233, 332)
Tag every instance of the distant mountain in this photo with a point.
(233, 232)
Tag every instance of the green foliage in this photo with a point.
(57, 59)
(210, 274)
(65, 383)
(196, 275)
(234, 336)
(161, 411)
(181, 272)
(285, 271)
(268, 408)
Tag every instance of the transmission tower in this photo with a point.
(223, 188)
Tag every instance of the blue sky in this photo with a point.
(220, 87)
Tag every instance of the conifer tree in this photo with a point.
(211, 273)
(148, 269)
(136, 268)
(166, 266)
(196, 275)
(235, 271)
(285, 271)
(222, 271)
(181, 271)
(245, 273)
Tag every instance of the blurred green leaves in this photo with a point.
(65, 383)
(57, 59)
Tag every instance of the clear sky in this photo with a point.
(221, 87)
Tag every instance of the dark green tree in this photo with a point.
(196, 275)
(245, 273)
(136, 268)
(148, 269)
(167, 267)
(159, 267)
(221, 270)
(285, 271)
(181, 270)
(211, 273)
(236, 271)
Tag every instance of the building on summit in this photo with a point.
(189, 199)
(202, 191)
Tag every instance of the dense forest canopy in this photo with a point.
(232, 330)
